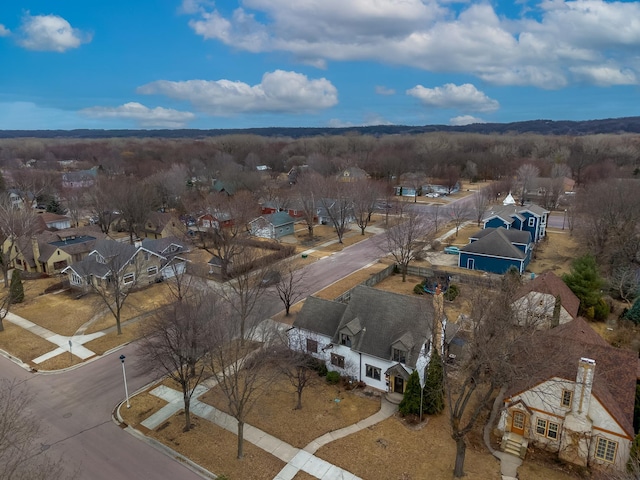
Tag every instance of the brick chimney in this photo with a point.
(584, 384)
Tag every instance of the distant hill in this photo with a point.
(541, 127)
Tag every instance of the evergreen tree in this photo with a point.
(53, 206)
(410, 404)
(585, 281)
(433, 401)
(633, 313)
(16, 289)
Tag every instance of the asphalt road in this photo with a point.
(75, 407)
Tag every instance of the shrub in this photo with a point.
(410, 404)
(418, 289)
(333, 377)
(319, 366)
(16, 290)
(601, 310)
(452, 292)
(633, 313)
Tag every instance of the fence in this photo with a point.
(487, 280)
(369, 282)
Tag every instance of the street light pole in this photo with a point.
(564, 219)
(124, 375)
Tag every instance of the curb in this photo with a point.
(153, 443)
(16, 360)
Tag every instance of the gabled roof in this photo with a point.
(496, 244)
(555, 353)
(159, 220)
(549, 283)
(163, 246)
(320, 316)
(279, 218)
(514, 236)
(508, 211)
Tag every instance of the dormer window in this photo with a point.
(399, 355)
(100, 259)
(345, 340)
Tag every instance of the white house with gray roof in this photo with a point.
(376, 338)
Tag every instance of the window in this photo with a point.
(345, 339)
(606, 450)
(567, 396)
(312, 346)
(532, 222)
(152, 270)
(547, 429)
(373, 372)
(128, 278)
(337, 360)
(146, 255)
(399, 355)
(76, 279)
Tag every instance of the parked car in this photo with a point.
(452, 250)
(270, 278)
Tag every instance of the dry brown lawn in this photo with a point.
(555, 253)
(60, 312)
(338, 288)
(23, 344)
(130, 332)
(274, 412)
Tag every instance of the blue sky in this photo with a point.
(259, 63)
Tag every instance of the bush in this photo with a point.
(16, 290)
(601, 310)
(333, 377)
(319, 366)
(452, 292)
(418, 289)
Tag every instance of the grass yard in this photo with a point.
(274, 412)
(23, 344)
(555, 253)
(130, 332)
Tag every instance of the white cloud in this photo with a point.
(279, 91)
(465, 96)
(144, 116)
(50, 33)
(190, 7)
(465, 120)
(382, 90)
(548, 47)
(605, 75)
(4, 31)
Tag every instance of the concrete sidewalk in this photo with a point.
(296, 459)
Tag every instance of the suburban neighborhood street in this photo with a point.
(75, 406)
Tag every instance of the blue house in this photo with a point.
(495, 250)
(529, 218)
(275, 226)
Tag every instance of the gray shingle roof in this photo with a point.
(513, 235)
(495, 244)
(509, 211)
(320, 316)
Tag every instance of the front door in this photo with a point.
(398, 384)
(517, 423)
(471, 264)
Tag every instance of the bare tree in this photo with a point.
(480, 204)
(122, 268)
(102, 204)
(175, 342)
(135, 201)
(75, 200)
(337, 201)
(459, 213)
(526, 174)
(289, 285)
(407, 238)
(21, 457)
(243, 370)
(308, 192)
(296, 363)
(15, 223)
(366, 195)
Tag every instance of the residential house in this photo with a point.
(162, 225)
(18, 198)
(576, 398)
(52, 221)
(440, 188)
(531, 218)
(352, 174)
(223, 187)
(546, 302)
(496, 250)
(80, 178)
(293, 207)
(132, 265)
(295, 172)
(325, 206)
(51, 252)
(172, 249)
(214, 220)
(375, 338)
(275, 225)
